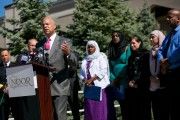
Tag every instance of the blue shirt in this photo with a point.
(173, 52)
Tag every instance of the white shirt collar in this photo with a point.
(8, 63)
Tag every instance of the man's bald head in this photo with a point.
(32, 44)
(173, 17)
(175, 12)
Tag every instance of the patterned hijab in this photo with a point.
(154, 65)
(96, 54)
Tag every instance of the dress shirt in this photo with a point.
(7, 64)
(52, 40)
(173, 53)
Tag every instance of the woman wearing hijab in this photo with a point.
(157, 89)
(94, 72)
(118, 54)
(138, 99)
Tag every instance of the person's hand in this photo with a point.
(6, 90)
(164, 62)
(164, 66)
(1, 85)
(132, 84)
(90, 81)
(65, 48)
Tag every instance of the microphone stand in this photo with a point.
(46, 59)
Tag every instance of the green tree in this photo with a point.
(27, 26)
(146, 23)
(96, 19)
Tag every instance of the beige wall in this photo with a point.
(63, 18)
(137, 4)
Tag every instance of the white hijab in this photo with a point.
(96, 54)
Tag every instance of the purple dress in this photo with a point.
(95, 110)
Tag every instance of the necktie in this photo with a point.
(47, 44)
(87, 67)
(5, 65)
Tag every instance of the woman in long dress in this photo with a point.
(94, 72)
(158, 90)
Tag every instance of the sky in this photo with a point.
(2, 4)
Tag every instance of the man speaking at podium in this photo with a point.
(59, 56)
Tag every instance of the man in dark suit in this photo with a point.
(60, 56)
(4, 99)
(1, 62)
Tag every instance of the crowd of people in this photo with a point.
(144, 82)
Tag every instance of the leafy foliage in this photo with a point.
(96, 19)
(27, 26)
(146, 24)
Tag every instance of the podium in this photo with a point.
(44, 93)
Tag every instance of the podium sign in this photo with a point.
(20, 81)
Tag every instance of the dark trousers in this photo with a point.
(173, 94)
(73, 100)
(159, 102)
(4, 108)
(25, 108)
(113, 93)
(138, 104)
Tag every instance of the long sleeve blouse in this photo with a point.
(98, 67)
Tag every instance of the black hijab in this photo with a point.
(116, 49)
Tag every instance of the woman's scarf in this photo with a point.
(154, 64)
(116, 49)
(96, 54)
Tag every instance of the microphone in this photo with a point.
(42, 56)
(39, 56)
(46, 57)
(24, 59)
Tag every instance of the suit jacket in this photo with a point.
(2, 74)
(66, 67)
(3, 79)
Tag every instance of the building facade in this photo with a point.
(2, 40)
